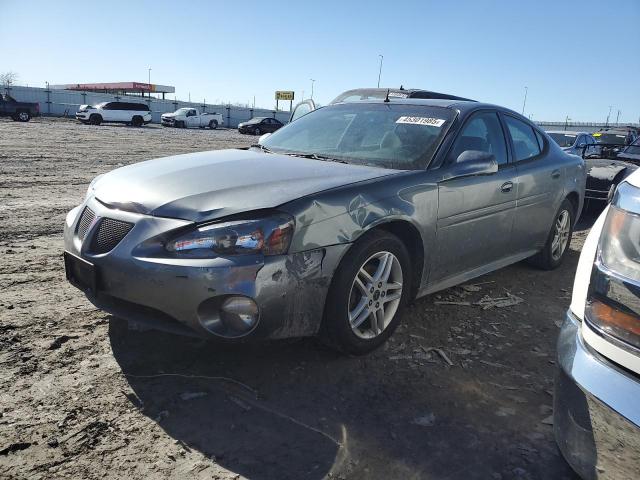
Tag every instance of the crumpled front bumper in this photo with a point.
(166, 293)
(596, 410)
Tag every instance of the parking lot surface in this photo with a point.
(462, 391)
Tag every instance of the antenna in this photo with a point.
(386, 100)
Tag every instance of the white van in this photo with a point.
(136, 114)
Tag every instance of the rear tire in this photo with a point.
(557, 245)
(137, 121)
(257, 131)
(180, 124)
(95, 119)
(213, 124)
(368, 292)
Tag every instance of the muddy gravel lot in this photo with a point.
(460, 392)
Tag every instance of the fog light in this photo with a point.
(239, 313)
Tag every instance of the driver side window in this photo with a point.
(483, 133)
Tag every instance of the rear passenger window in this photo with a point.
(484, 133)
(525, 143)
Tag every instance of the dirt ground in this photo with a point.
(82, 396)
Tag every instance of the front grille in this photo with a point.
(110, 232)
(86, 219)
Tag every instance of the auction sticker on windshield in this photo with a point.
(431, 122)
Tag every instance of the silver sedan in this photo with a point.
(327, 227)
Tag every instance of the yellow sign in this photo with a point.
(284, 95)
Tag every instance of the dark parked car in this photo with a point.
(329, 226)
(18, 111)
(260, 125)
(613, 140)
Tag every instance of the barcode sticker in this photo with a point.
(428, 121)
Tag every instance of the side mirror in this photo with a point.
(471, 163)
(263, 138)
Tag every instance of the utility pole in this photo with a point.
(380, 69)
(606, 124)
(149, 80)
(566, 123)
(617, 117)
(312, 82)
(526, 90)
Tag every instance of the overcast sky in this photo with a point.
(577, 58)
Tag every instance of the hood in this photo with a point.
(603, 170)
(208, 185)
(167, 115)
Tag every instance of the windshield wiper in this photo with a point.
(261, 147)
(316, 156)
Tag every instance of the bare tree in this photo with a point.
(8, 78)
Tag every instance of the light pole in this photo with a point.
(380, 69)
(312, 82)
(606, 124)
(526, 90)
(618, 117)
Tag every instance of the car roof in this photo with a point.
(462, 105)
(569, 132)
(397, 93)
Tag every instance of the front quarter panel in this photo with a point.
(342, 215)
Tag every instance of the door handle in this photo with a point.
(555, 174)
(506, 187)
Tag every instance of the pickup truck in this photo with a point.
(19, 111)
(191, 118)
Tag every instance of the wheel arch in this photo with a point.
(574, 199)
(411, 237)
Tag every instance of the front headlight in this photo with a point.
(267, 236)
(620, 243)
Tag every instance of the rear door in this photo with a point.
(538, 184)
(475, 213)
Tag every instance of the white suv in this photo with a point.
(136, 114)
(597, 391)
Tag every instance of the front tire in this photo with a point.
(95, 119)
(557, 245)
(367, 294)
(23, 116)
(257, 131)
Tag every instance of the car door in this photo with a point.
(538, 184)
(191, 118)
(475, 213)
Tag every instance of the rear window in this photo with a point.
(525, 143)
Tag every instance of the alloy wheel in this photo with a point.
(561, 235)
(23, 116)
(375, 295)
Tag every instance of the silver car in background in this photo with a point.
(327, 227)
(575, 143)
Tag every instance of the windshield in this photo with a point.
(611, 138)
(380, 134)
(634, 148)
(255, 120)
(563, 139)
(182, 111)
